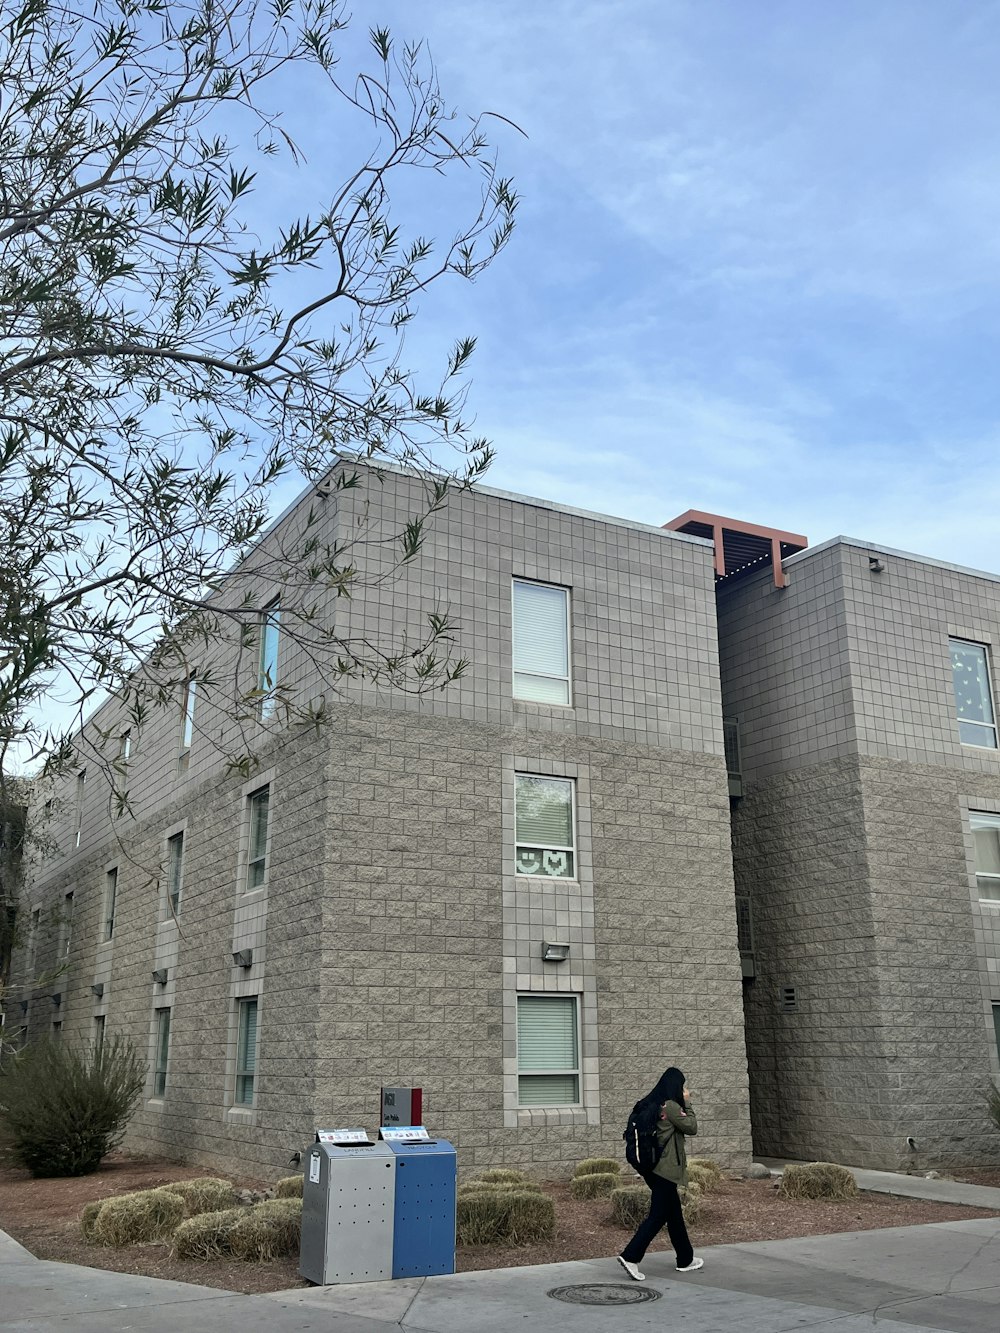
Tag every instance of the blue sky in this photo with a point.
(758, 261)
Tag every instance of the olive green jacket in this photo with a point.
(671, 1129)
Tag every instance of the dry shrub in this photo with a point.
(697, 1175)
(817, 1180)
(290, 1187)
(511, 1217)
(691, 1200)
(133, 1219)
(206, 1236)
(597, 1166)
(89, 1216)
(629, 1205)
(597, 1186)
(500, 1187)
(706, 1164)
(206, 1194)
(501, 1175)
(269, 1230)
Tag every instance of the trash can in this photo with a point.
(347, 1212)
(423, 1230)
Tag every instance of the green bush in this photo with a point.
(501, 1175)
(64, 1109)
(507, 1217)
(629, 1205)
(89, 1216)
(707, 1165)
(817, 1180)
(134, 1219)
(207, 1236)
(269, 1230)
(595, 1186)
(597, 1166)
(205, 1194)
(289, 1187)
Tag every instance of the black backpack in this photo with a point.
(642, 1151)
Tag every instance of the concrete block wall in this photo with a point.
(392, 936)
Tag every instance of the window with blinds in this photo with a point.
(541, 642)
(162, 1052)
(258, 811)
(544, 826)
(246, 1052)
(110, 903)
(986, 838)
(548, 1051)
(970, 679)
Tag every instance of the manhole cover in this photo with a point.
(605, 1293)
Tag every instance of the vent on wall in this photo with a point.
(789, 1000)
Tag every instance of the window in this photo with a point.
(125, 746)
(99, 1031)
(81, 783)
(544, 826)
(175, 871)
(986, 837)
(246, 1052)
(541, 642)
(110, 902)
(548, 1062)
(162, 1052)
(267, 664)
(36, 922)
(187, 722)
(258, 803)
(66, 928)
(970, 678)
(996, 1027)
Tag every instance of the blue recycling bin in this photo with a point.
(423, 1231)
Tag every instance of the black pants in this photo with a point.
(664, 1208)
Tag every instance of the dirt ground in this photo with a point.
(44, 1216)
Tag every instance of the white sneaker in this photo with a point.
(633, 1269)
(692, 1267)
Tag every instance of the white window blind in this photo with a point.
(541, 642)
(246, 1053)
(548, 1062)
(544, 826)
(970, 678)
(986, 837)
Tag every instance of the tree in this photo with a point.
(162, 365)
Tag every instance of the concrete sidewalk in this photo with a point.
(908, 1187)
(945, 1276)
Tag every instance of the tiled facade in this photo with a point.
(389, 936)
(853, 841)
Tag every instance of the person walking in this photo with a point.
(668, 1107)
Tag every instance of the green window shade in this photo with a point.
(541, 642)
(246, 1054)
(548, 1090)
(547, 1050)
(971, 683)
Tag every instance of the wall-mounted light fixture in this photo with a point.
(97, 989)
(160, 976)
(243, 957)
(555, 953)
(875, 565)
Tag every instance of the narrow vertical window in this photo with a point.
(970, 678)
(986, 840)
(99, 1031)
(246, 1052)
(258, 807)
(110, 903)
(66, 928)
(57, 1027)
(162, 1052)
(544, 826)
(125, 746)
(548, 1050)
(187, 722)
(541, 642)
(996, 1027)
(36, 923)
(267, 662)
(175, 872)
(81, 783)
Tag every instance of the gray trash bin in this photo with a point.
(348, 1198)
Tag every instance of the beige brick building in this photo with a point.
(373, 905)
